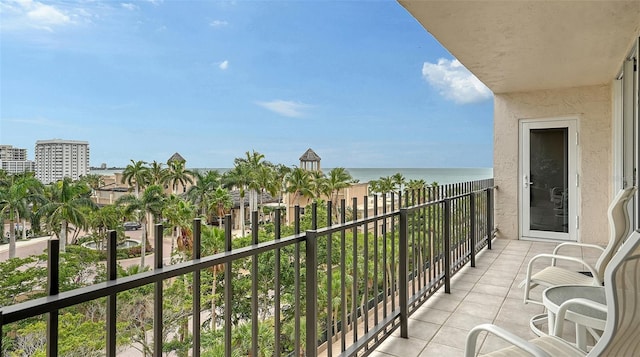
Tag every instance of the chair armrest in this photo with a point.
(562, 311)
(576, 244)
(470, 345)
(553, 258)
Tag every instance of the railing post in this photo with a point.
(296, 219)
(312, 293)
(296, 281)
(228, 289)
(403, 274)
(329, 321)
(489, 216)
(276, 289)
(1, 329)
(276, 223)
(314, 215)
(158, 293)
(112, 274)
(472, 233)
(447, 245)
(196, 254)
(354, 268)
(53, 288)
(254, 286)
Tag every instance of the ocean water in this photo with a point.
(439, 175)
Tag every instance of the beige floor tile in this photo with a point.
(500, 291)
(465, 321)
(379, 354)
(431, 315)
(451, 336)
(479, 298)
(484, 294)
(467, 278)
(488, 312)
(422, 330)
(495, 280)
(402, 347)
(436, 350)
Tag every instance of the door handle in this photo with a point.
(526, 181)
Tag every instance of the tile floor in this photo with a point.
(488, 293)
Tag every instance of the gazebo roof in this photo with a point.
(176, 157)
(310, 155)
(263, 197)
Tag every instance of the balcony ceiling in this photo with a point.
(532, 45)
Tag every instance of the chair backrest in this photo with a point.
(618, 217)
(621, 335)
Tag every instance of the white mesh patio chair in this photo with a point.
(621, 336)
(553, 275)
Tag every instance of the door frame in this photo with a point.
(525, 125)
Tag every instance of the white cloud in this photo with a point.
(218, 23)
(286, 108)
(455, 82)
(224, 65)
(30, 14)
(129, 6)
(155, 2)
(43, 16)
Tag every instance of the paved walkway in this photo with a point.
(37, 246)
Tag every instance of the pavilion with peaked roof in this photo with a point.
(176, 157)
(310, 161)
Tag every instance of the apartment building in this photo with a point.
(57, 158)
(14, 160)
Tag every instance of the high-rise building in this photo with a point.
(57, 158)
(14, 160)
(8, 152)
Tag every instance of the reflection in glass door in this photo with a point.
(548, 191)
(548, 179)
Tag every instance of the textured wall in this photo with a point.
(592, 106)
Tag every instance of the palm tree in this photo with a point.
(156, 173)
(66, 200)
(398, 181)
(102, 220)
(281, 172)
(94, 181)
(238, 177)
(253, 161)
(221, 201)
(319, 184)
(213, 243)
(136, 174)
(146, 209)
(266, 179)
(386, 184)
(178, 174)
(339, 178)
(417, 186)
(205, 183)
(179, 214)
(299, 183)
(16, 195)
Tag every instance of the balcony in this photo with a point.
(406, 275)
(486, 293)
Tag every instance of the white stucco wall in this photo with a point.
(593, 108)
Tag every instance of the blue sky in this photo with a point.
(360, 82)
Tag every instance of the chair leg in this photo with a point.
(536, 321)
(581, 337)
